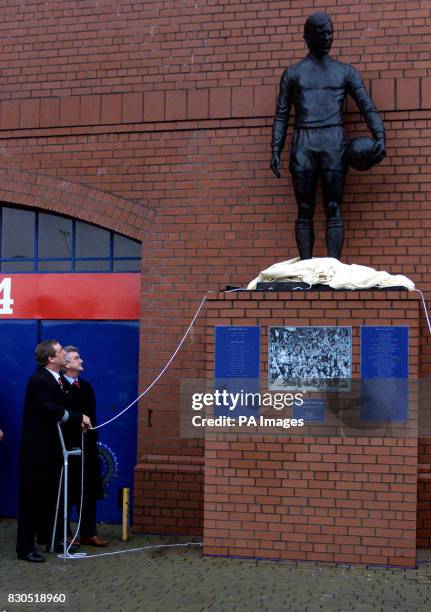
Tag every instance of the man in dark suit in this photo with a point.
(45, 405)
(82, 396)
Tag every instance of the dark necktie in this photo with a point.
(76, 384)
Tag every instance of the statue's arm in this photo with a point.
(369, 112)
(281, 120)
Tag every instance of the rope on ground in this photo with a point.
(128, 550)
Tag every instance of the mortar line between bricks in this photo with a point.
(180, 125)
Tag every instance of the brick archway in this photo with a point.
(129, 217)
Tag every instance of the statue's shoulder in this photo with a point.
(300, 65)
(348, 68)
(350, 73)
(340, 65)
(292, 70)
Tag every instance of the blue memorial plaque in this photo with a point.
(384, 373)
(237, 370)
(312, 410)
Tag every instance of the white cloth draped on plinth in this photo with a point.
(330, 271)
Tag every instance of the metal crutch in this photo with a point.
(65, 481)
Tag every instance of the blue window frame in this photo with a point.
(36, 241)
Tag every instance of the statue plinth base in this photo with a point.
(334, 498)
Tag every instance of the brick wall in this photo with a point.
(168, 106)
(67, 48)
(171, 495)
(424, 494)
(329, 498)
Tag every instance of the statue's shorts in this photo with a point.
(319, 149)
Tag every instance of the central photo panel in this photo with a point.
(310, 358)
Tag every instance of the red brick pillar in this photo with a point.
(339, 499)
(424, 494)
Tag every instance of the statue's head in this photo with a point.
(319, 34)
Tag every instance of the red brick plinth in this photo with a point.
(169, 490)
(337, 499)
(424, 494)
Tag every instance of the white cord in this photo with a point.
(161, 372)
(119, 552)
(127, 550)
(84, 555)
(425, 308)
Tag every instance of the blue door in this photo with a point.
(110, 353)
(17, 341)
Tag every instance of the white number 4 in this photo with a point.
(6, 301)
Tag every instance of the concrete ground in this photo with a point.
(180, 579)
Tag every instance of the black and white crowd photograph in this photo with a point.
(310, 358)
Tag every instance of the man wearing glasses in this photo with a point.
(84, 400)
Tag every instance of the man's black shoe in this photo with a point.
(32, 557)
(59, 547)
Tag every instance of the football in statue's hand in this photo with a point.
(360, 153)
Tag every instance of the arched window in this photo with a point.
(34, 241)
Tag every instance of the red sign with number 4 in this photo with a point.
(70, 296)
